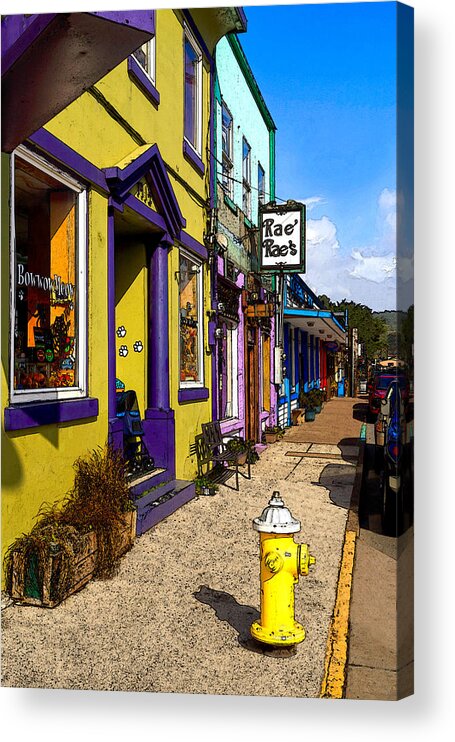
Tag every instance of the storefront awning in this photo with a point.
(317, 322)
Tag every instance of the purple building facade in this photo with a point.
(244, 399)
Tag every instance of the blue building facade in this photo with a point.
(314, 343)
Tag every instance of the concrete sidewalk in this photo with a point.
(177, 617)
(381, 643)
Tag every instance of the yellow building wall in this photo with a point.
(105, 127)
(189, 416)
(131, 319)
(110, 140)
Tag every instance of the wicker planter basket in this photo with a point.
(28, 588)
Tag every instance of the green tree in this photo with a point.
(372, 331)
(405, 340)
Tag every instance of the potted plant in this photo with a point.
(81, 537)
(205, 486)
(252, 454)
(272, 433)
(238, 446)
(316, 399)
(307, 402)
(100, 499)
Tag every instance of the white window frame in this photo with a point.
(246, 179)
(227, 157)
(232, 375)
(261, 201)
(196, 261)
(150, 52)
(79, 391)
(196, 146)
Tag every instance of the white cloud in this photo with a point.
(387, 211)
(387, 199)
(376, 268)
(405, 269)
(365, 274)
(312, 201)
(321, 231)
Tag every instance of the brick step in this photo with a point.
(156, 504)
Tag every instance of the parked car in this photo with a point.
(378, 386)
(392, 411)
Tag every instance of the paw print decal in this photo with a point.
(121, 332)
(123, 350)
(138, 347)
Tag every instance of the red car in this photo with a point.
(377, 390)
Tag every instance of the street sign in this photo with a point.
(282, 237)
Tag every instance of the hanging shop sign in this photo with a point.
(282, 237)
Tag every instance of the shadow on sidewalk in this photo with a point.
(338, 479)
(360, 411)
(240, 617)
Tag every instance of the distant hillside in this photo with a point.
(391, 316)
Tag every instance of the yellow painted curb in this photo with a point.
(337, 643)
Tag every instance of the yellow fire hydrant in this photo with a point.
(282, 561)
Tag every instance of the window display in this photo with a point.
(190, 351)
(45, 283)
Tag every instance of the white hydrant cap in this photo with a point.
(276, 518)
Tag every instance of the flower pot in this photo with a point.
(206, 491)
(242, 457)
(271, 437)
(318, 409)
(309, 416)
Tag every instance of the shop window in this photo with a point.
(146, 58)
(193, 94)
(227, 151)
(246, 178)
(191, 331)
(48, 280)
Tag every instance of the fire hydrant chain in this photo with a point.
(282, 561)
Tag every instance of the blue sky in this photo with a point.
(328, 75)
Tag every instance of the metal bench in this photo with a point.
(214, 460)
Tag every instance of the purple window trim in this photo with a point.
(190, 243)
(35, 414)
(193, 158)
(140, 208)
(193, 395)
(73, 161)
(121, 181)
(144, 82)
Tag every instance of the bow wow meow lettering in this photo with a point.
(282, 237)
(46, 283)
